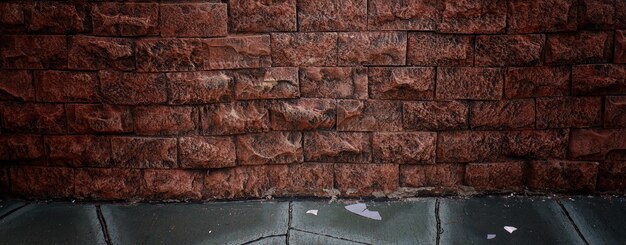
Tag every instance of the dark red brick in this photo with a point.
(332, 15)
(329, 146)
(369, 115)
(469, 146)
(132, 88)
(98, 53)
(165, 120)
(5, 181)
(563, 176)
(199, 87)
(33, 52)
(108, 183)
(78, 150)
(239, 52)
(304, 49)
(125, 19)
(435, 115)
(16, 85)
(471, 83)
(354, 180)
(528, 82)
(536, 144)
(598, 144)
(42, 182)
(564, 112)
(11, 14)
(405, 147)
(541, 16)
(172, 184)
(21, 147)
(612, 176)
(207, 152)
(495, 177)
(55, 17)
(67, 86)
(268, 83)
(372, 48)
(620, 14)
(509, 50)
(193, 20)
(596, 14)
(34, 118)
(235, 118)
(440, 175)
(303, 114)
(578, 48)
(434, 49)
(408, 83)
(309, 179)
(620, 46)
(262, 16)
(169, 54)
(334, 82)
(238, 182)
(601, 79)
(478, 16)
(421, 15)
(136, 152)
(95, 119)
(615, 112)
(269, 148)
(502, 114)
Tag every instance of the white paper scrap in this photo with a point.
(510, 229)
(361, 209)
(491, 236)
(312, 211)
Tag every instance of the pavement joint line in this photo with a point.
(103, 225)
(319, 234)
(12, 211)
(290, 211)
(261, 238)
(438, 219)
(572, 221)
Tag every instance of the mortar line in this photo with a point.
(572, 222)
(103, 225)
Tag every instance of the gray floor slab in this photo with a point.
(600, 220)
(275, 240)
(402, 222)
(7, 206)
(216, 223)
(52, 224)
(539, 221)
(305, 238)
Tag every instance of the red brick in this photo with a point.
(303, 114)
(433, 49)
(406, 147)
(435, 115)
(563, 176)
(132, 88)
(136, 152)
(99, 53)
(421, 15)
(528, 82)
(207, 152)
(16, 85)
(43, 182)
(598, 144)
(471, 83)
(620, 46)
(502, 114)
(615, 112)
(509, 50)
(334, 82)
(369, 115)
(108, 183)
(18, 147)
(199, 87)
(34, 118)
(125, 19)
(596, 14)
(441, 175)
(601, 79)
(169, 54)
(172, 184)
(563, 112)
(536, 144)
(332, 15)
(612, 176)
(268, 83)
(4, 176)
(33, 52)
(579, 47)
(262, 16)
(78, 150)
(239, 52)
(269, 148)
(620, 14)
(95, 119)
(408, 83)
(55, 17)
(67, 86)
(11, 14)
(354, 180)
(469, 146)
(238, 182)
(235, 118)
(372, 48)
(501, 176)
(478, 16)
(304, 49)
(329, 146)
(165, 120)
(193, 20)
(541, 16)
(309, 179)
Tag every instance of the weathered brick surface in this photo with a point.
(328, 146)
(502, 176)
(78, 150)
(369, 115)
(303, 114)
(66, 86)
(139, 152)
(34, 52)
(334, 82)
(596, 14)
(413, 83)
(270, 148)
(33, 118)
(165, 120)
(55, 17)
(599, 79)
(563, 176)
(598, 144)
(304, 49)
(206, 152)
(419, 15)
(238, 182)
(414, 147)
(16, 85)
(309, 179)
(569, 112)
(430, 49)
(129, 19)
(42, 182)
(466, 16)
(127, 88)
(20, 147)
(332, 15)
(615, 112)
(545, 81)
(235, 118)
(238, 52)
(612, 176)
(536, 144)
(270, 83)
(193, 20)
(581, 47)
(172, 184)
(199, 87)
(509, 50)
(372, 48)
(169, 54)
(620, 46)
(96, 119)
(469, 146)
(440, 175)
(4, 180)
(435, 115)
(262, 16)
(469, 83)
(107, 183)
(366, 179)
(503, 114)
(541, 16)
(94, 53)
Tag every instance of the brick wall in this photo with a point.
(248, 98)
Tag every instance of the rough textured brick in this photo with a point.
(563, 175)
(303, 114)
(269, 148)
(366, 179)
(207, 152)
(369, 115)
(501, 176)
(95, 119)
(620, 46)
(372, 48)
(78, 150)
(55, 17)
(132, 88)
(33, 118)
(33, 52)
(107, 183)
(599, 79)
(469, 146)
(527, 82)
(563, 112)
(620, 14)
(125, 19)
(409, 83)
(98, 53)
(502, 114)
(478, 16)
(4, 179)
(193, 20)
(579, 47)
(268, 83)
(419, 15)
(239, 52)
(199, 87)
(165, 120)
(612, 176)
(433, 49)
(262, 16)
(409, 147)
(509, 50)
(332, 15)
(11, 14)
(136, 152)
(16, 85)
(304, 49)
(440, 175)
(334, 82)
(541, 16)
(172, 184)
(596, 14)
(615, 112)
(168, 54)
(243, 181)
(43, 182)
(598, 144)
(67, 86)
(21, 147)
(235, 118)
(435, 115)
(328, 146)
(309, 179)
(469, 83)
(536, 144)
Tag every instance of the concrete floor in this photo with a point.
(540, 220)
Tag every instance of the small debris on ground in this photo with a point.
(361, 209)
(491, 236)
(312, 211)
(510, 229)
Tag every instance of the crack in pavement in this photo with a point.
(572, 222)
(12, 211)
(289, 222)
(103, 225)
(340, 238)
(439, 230)
(263, 237)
